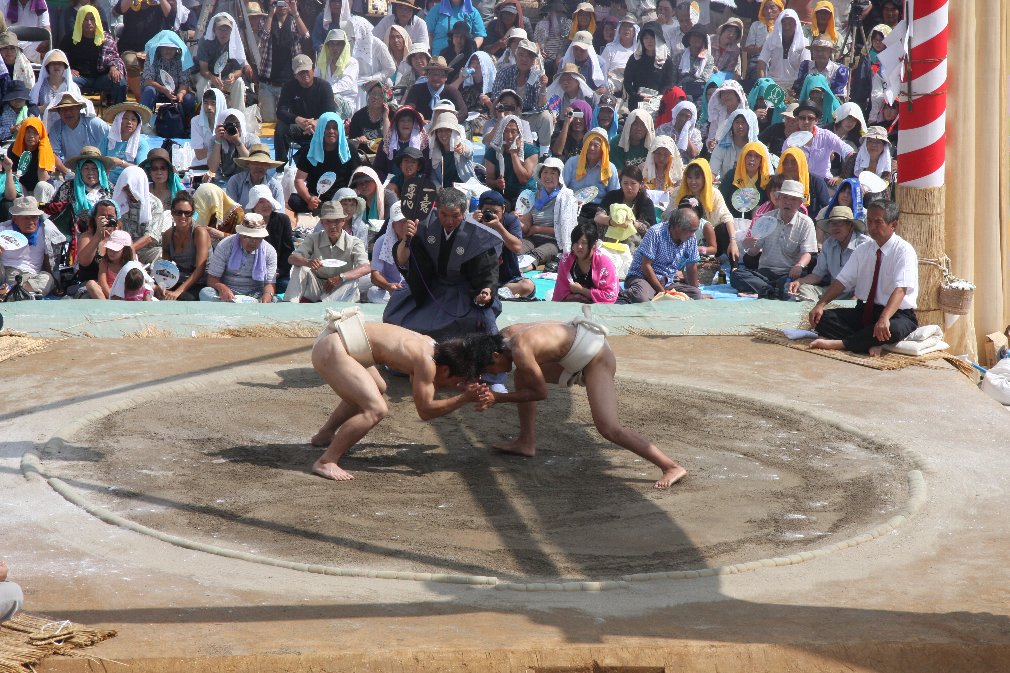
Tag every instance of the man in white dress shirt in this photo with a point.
(885, 278)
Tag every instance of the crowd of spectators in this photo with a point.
(620, 137)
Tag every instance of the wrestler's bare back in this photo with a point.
(548, 341)
(401, 349)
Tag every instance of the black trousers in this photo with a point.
(847, 324)
(284, 135)
(765, 283)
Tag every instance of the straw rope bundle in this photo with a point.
(26, 640)
(16, 345)
(299, 330)
(922, 225)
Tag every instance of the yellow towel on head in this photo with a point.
(581, 169)
(78, 33)
(740, 177)
(707, 197)
(801, 162)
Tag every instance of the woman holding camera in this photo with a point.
(568, 139)
(475, 84)
(11, 187)
(94, 231)
(230, 141)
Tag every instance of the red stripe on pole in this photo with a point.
(928, 107)
(922, 112)
(918, 164)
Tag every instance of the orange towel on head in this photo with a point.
(831, 32)
(761, 12)
(47, 158)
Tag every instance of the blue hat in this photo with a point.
(492, 198)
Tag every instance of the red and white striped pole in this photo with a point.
(921, 154)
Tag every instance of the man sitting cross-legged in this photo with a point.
(563, 353)
(345, 356)
(885, 277)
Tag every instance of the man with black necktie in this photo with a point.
(885, 279)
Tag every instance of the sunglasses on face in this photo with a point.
(182, 213)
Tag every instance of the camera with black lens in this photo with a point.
(856, 10)
(112, 223)
(487, 215)
(500, 107)
(231, 129)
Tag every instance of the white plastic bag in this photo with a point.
(183, 157)
(288, 180)
(620, 257)
(996, 383)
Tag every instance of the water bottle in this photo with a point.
(469, 71)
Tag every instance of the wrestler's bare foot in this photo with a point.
(322, 439)
(828, 344)
(876, 351)
(519, 448)
(331, 471)
(671, 477)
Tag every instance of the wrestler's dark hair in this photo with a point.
(469, 355)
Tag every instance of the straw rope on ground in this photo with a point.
(16, 345)
(27, 639)
(887, 362)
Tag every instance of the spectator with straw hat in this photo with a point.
(243, 265)
(424, 96)
(255, 169)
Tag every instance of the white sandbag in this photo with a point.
(916, 348)
(996, 383)
(925, 339)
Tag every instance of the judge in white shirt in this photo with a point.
(885, 278)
